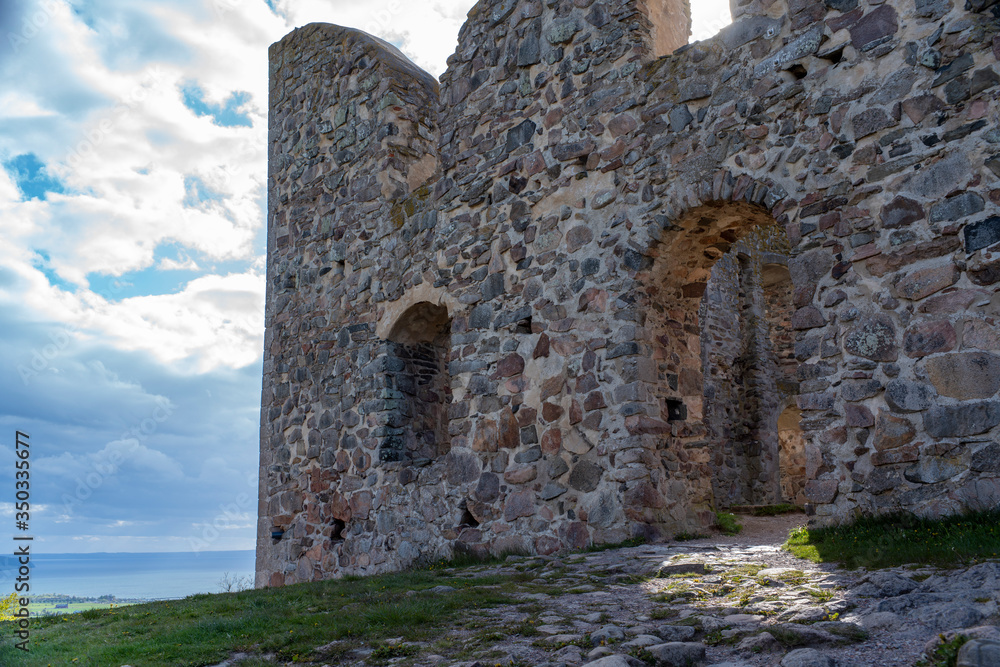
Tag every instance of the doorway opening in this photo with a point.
(719, 310)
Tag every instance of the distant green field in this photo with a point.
(51, 608)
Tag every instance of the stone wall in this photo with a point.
(563, 197)
(745, 346)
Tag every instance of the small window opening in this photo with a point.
(467, 518)
(523, 326)
(676, 410)
(277, 534)
(337, 530)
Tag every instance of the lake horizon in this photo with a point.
(132, 575)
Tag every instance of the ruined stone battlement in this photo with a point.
(601, 283)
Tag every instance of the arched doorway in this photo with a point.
(718, 302)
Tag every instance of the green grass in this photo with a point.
(687, 537)
(289, 622)
(728, 523)
(902, 539)
(946, 653)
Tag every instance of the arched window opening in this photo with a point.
(709, 17)
(416, 386)
(676, 23)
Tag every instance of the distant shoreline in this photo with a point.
(131, 578)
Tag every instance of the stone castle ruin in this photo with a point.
(599, 282)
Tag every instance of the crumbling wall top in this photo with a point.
(293, 45)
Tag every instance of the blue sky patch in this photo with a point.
(129, 33)
(227, 114)
(154, 280)
(197, 192)
(42, 262)
(31, 177)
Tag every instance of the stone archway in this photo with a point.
(717, 323)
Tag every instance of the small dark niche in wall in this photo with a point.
(338, 268)
(523, 326)
(337, 530)
(834, 56)
(798, 71)
(467, 518)
(676, 410)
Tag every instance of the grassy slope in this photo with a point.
(288, 622)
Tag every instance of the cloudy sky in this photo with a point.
(132, 197)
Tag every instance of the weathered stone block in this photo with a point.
(892, 431)
(965, 375)
(957, 207)
(858, 416)
(520, 135)
(904, 454)
(873, 338)
(883, 479)
(871, 121)
(904, 396)
(875, 28)
(928, 338)
(901, 212)
(932, 470)
(921, 284)
(807, 318)
(986, 459)
(822, 491)
(982, 234)
(519, 504)
(959, 421)
(585, 476)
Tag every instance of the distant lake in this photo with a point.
(148, 576)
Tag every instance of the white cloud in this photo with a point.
(185, 264)
(14, 104)
(709, 17)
